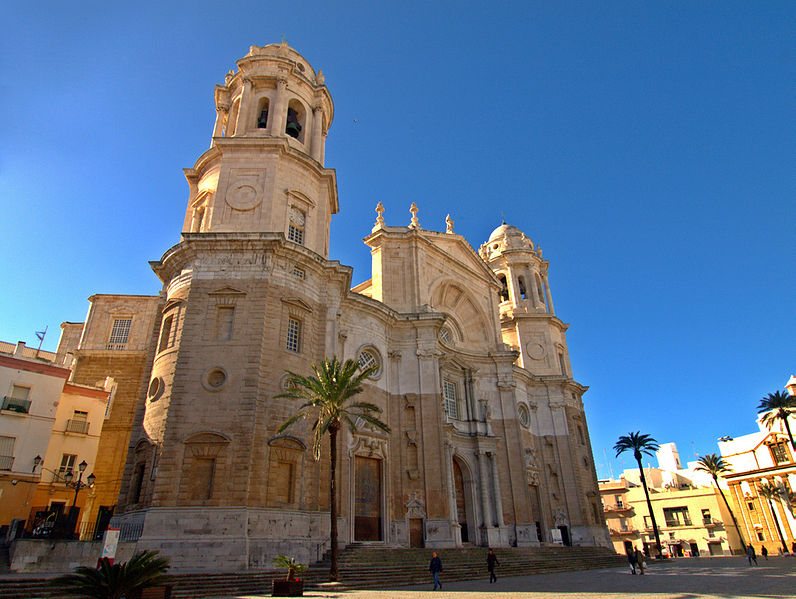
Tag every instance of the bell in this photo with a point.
(262, 122)
(293, 129)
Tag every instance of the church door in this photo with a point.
(367, 505)
(461, 505)
(416, 532)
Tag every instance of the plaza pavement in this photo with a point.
(686, 578)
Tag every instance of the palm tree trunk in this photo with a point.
(776, 523)
(649, 506)
(729, 509)
(333, 575)
(790, 436)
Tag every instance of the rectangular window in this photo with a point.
(138, 482)
(647, 522)
(295, 230)
(7, 452)
(225, 318)
(711, 532)
(450, 398)
(618, 499)
(119, 333)
(203, 473)
(298, 273)
(761, 537)
(751, 505)
(561, 363)
(165, 333)
(706, 519)
(779, 452)
(623, 524)
(293, 335)
(67, 465)
(18, 401)
(676, 516)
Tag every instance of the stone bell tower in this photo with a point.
(264, 171)
(247, 293)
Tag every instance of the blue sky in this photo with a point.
(646, 146)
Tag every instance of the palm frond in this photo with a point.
(637, 443)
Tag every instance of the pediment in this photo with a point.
(297, 303)
(227, 290)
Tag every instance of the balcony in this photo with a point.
(116, 346)
(12, 404)
(616, 507)
(76, 426)
(623, 531)
(6, 462)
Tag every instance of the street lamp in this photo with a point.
(79, 484)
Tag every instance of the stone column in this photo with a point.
(221, 113)
(550, 308)
(496, 487)
(242, 124)
(317, 132)
(279, 111)
(482, 483)
(323, 148)
(454, 517)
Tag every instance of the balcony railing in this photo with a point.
(616, 507)
(15, 405)
(116, 346)
(623, 531)
(77, 426)
(676, 523)
(6, 462)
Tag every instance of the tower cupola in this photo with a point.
(264, 170)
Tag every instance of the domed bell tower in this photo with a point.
(264, 171)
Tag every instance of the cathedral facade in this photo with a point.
(489, 443)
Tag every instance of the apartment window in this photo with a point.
(295, 230)
(165, 333)
(761, 536)
(67, 464)
(750, 505)
(7, 452)
(623, 524)
(706, 519)
(78, 423)
(647, 522)
(619, 503)
(779, 452)
(450, 395)
(676, 516)
(711, 532)
(225, 318)
(293, 335)
(18, 401)
(119, 333)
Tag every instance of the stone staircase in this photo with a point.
(364, 566)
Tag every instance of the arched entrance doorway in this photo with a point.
(461, 501)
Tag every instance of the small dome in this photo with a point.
(504, 230)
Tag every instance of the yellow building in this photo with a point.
(691, 515)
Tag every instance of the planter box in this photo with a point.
(288, 588)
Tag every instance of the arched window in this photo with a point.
(295, 228)
(521, 285)
(369, 357)
(504, 291)
(262, 114)
(540, 288)
(294, 123)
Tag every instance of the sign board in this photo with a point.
(556, 534)
(111, 541)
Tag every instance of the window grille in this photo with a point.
(67, 465)
(295, 230)
(298, 273)
(293, 335)
(119, 333)
(6, 452)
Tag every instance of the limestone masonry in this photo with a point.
(489, 442)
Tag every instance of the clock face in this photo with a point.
(297, 217)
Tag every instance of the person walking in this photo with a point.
(491, 562)
(750, 554)
(764, 552)
(640, 561)
(435, 567)
(632, 559)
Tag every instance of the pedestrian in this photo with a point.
(640, 561)
(764, 552)
(435, 567)
(750, 554)
(491, 562)
(632, 559)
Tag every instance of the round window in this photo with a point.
(524, 415)
(369, 358)
(445, 335)
(155, 388)
(214, 378)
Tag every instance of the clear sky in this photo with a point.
(647, 146)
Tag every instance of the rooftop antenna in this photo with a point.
(610, 469)
(502, 218)
(40, 335)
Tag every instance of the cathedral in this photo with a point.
(489, 443)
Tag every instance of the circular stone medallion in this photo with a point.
(243, 197)
(535, 351)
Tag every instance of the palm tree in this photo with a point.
(638, 444)
(771, 492)
(325, 398)
(115, 581)
(715, 465)
(779, 406)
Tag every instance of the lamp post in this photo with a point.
(79, 484)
